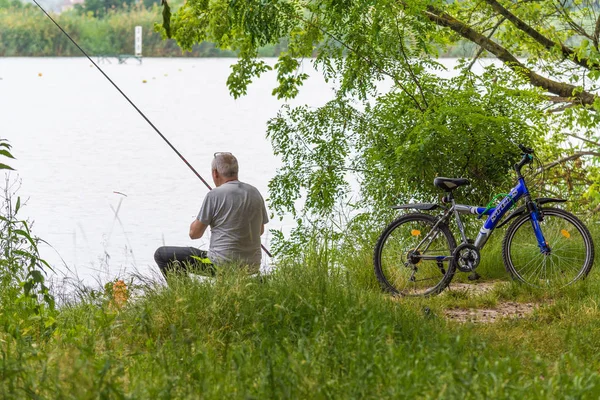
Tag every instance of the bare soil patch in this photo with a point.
(503, 310)
(476, 288)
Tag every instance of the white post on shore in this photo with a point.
(138, 41)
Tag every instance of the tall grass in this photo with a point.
(306, 331)
(317, 327)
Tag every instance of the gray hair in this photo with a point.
(225, 164)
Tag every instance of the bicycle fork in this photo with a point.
(536, 218)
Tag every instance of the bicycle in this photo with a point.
(417, 254)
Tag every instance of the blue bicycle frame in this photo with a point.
(495, 214)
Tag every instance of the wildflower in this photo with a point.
(120, 294)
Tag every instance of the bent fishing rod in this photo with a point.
(134, 106)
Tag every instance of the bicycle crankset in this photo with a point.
(466, 257)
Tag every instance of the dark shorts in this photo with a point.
(183, 259)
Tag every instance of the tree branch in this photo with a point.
(558, 88)
(559, 99)
(569, 158)
(575, 26)
(408, 66)
(561, 108)
(366, 59)
(596, 33)
(480, 51)
(584, 139)
(541, 39)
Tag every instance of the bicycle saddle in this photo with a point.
(449, 184)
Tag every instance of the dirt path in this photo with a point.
(507, 309)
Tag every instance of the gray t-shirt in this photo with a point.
(235, 212)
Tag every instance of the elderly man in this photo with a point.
(236, 214)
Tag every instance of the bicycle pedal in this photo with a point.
(473, 276)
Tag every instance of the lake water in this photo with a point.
(77, 141)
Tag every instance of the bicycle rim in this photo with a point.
(393, 266)
(571, 253)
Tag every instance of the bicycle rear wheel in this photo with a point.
(571, 256)
(397, 265)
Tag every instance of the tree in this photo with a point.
(102, 7)
(394, 122)
(11, 4)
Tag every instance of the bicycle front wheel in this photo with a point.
(571, 250)
(398, 264)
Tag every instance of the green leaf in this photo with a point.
(50, 321)
(36, 276)
(27, 287)
(6, 153)
(4, 166)
(166, 13)
(26, 235)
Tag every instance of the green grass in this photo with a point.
(310, 330)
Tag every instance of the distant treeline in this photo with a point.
(27, 32)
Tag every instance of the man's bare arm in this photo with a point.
(197, 229)
(262, 229)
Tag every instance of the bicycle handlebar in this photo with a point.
(526, 150)
(527, 159)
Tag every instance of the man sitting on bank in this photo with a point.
(236, 214)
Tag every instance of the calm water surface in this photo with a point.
(78, 141)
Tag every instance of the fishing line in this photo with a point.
(116, 213)
(134, 106)
(117, 219)
(124, 233)
(124, 95)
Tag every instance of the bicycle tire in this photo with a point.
(392, 266)
(572, 250)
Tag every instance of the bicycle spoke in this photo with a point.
(570, 252)
(399, 265)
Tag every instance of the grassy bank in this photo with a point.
(308, 331)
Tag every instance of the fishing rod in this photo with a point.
(134, 106)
